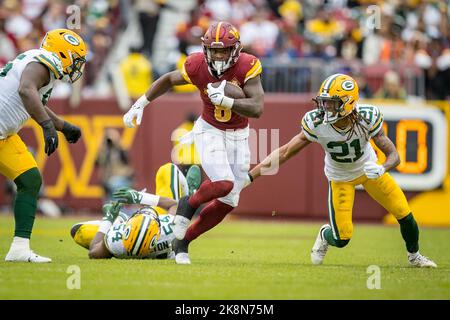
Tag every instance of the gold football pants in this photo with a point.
(341, 196)
(15, 158)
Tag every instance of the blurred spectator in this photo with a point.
(55, 17)
(16, 23)
(219, 9)
(324, 29)
(289, 42)
(113, 164)
(364, 90)
(259, 35)
(7, 46)
(435, 61)
(189, 33)
(149, 12)
(136, 71)
(392, 88)
(241, 11)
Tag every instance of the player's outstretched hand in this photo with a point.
(373, 170)
(127, 195)
(135, 112)
(111, 210)
(50, 136)
(71, 132)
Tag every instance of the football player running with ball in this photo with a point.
(344, 129)
(27, 84)
(220, 134)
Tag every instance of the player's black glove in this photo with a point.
(50, 136)
(71, 132)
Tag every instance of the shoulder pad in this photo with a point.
(51, 61)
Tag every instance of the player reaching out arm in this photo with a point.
(344, 128)
(220, 134)
(110, 239)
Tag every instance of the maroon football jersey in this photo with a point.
(195, 71)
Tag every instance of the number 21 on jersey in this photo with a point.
(343, 150)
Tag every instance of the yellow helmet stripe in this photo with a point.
(140, 237)
(218, 31)
(329, 81)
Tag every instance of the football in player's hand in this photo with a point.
(231, 90)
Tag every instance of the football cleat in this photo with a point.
(25, 256)
(320, 247)
(182, 258)
(193, 178)
(420, 261)
(180, 248)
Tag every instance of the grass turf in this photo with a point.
(236, 260)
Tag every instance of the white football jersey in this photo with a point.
(114, 236)
(14, 114)
(344, 161)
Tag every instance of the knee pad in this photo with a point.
(29, 182)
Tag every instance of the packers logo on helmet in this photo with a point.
(142, 232)
(337, 97)
(70, 49)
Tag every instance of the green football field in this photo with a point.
(237, 260)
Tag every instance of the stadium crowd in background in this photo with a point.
(23, 23)
(365, 40)
(408, 33)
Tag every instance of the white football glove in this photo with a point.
(373, 170)
(217, 96)
(136, 111)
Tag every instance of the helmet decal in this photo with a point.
(71, 39)
(348, 85)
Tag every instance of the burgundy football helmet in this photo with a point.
(218, 36)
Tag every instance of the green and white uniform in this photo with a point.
(12, 110)
(344, 161)
(113, 238)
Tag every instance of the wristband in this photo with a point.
(142, 102)
(227, 102)
(149, 199)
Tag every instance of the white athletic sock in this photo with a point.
(20, 243)
(412, 256)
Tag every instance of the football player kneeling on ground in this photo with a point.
(344, 129)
